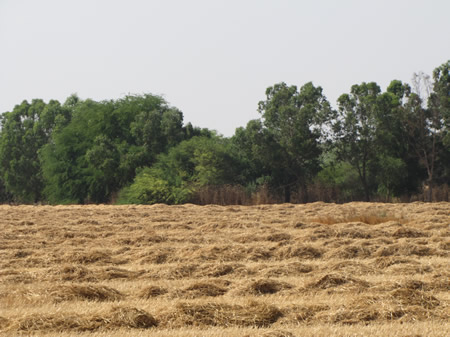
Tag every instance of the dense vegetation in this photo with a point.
(392, 145)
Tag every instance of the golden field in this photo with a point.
(358, 269)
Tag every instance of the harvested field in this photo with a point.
(358, 269)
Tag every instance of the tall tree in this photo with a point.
(421, 137)
(4, 195)
(24, 131)
(428, 124)
(355, 129)
(99, 151)
(439, 100)
(251, 145)
(397, 170)
(291, 128)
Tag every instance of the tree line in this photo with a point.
(387, 146)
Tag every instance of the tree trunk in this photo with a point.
(305, 195)
(362, 177)
(287, 193)
(430, 190)
(366, 191)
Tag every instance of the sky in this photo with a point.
(213, 59)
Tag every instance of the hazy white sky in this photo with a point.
(213, 59)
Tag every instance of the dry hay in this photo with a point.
(337, 280)
(290, 269)
(260, 253)
(406, 232)
(277, 237)
(351, 316)
(81, 273)
(414, 297)
(350, 267)
(87, 292)
(404, 269)
(271, 270)
(305, 313)
(181, 271)
(90, 257)
(352, 252)
(152, 291)
(206, 289)
(116, 317)
(18, 277)
(217, 314)
(110, 273)
(4, 323)
(129, 317)
(405, 249)
(413, 285)
(277, 333)
(357, 233)
(72, 272)
(444, 245)
(301, 251)
(265, 287)
(21, 254)
(385, 262)
(440, 282)
(368, 218)
(51, 322)
(218, 270)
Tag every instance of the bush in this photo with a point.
(194, 165)
(343, 182)
(148, 189)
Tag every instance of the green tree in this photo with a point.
(355, 130)
(342, 180)
(291, 130)
(104, 144)
(178, 174)
(4, 195)
(394, 169)
(250, 144)
(440, 104)
(148, 188)
(398, 172)
(64, 165)
(24, 131)
(439, 100)
(427, 124)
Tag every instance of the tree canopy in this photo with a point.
(376, 145)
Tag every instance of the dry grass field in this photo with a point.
(359, 269)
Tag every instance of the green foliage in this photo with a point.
(290, 133)
(397, 171)
(355, 130)
(65, 166)
(177, 175)
(377, 144)
(427, 125)
(98, 152)
(4, 195)
(390, 176)
(439, 100)
(250, 146)
(24, 131)
(343, 178)
(148, 188)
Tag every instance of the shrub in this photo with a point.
(148, 189)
